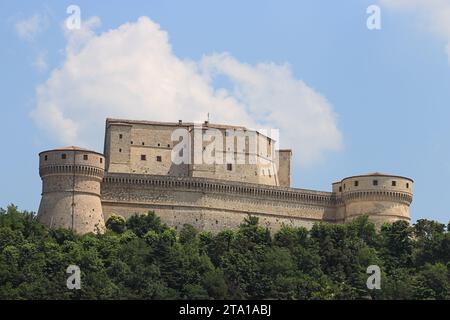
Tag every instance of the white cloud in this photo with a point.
(436, 14)
(40, 62)
(131, 72)
(271, 94)
(29, 28)
(76, 39)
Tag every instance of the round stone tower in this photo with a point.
(71, 180)
(382, 197)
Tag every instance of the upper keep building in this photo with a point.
(234, 153)
(208, 175)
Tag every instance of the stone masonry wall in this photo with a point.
(213, 205)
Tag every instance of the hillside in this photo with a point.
(144, 259)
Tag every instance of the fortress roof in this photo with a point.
(181, 124)
(376, 174)
(71, 148)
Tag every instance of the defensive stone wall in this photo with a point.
(213, 205)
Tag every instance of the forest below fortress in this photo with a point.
(142, 258)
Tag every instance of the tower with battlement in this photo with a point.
(71, 188)
(227, 173)
(383, 197)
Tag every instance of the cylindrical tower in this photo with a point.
(71, 181)
(382, 197)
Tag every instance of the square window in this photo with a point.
(375, 182)
(143, 157)
(158, 158)
(394, 183)
(85, 157)
(229, 166)
(168, 146)
(64, 156)
(159, 144)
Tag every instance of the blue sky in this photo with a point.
(388, 90)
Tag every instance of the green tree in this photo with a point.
(116, 223)
(142, 258)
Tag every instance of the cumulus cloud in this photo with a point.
(435, 13)
(27, 29)
(40, 62)
(132, 72)
(273, 96)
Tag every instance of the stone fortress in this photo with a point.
(138, 172)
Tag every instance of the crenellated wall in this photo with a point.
(213, 205)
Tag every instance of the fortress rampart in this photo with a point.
(213, 205)
(82, 188)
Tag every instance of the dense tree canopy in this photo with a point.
(142, 258)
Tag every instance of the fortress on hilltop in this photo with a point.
(210, 176)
